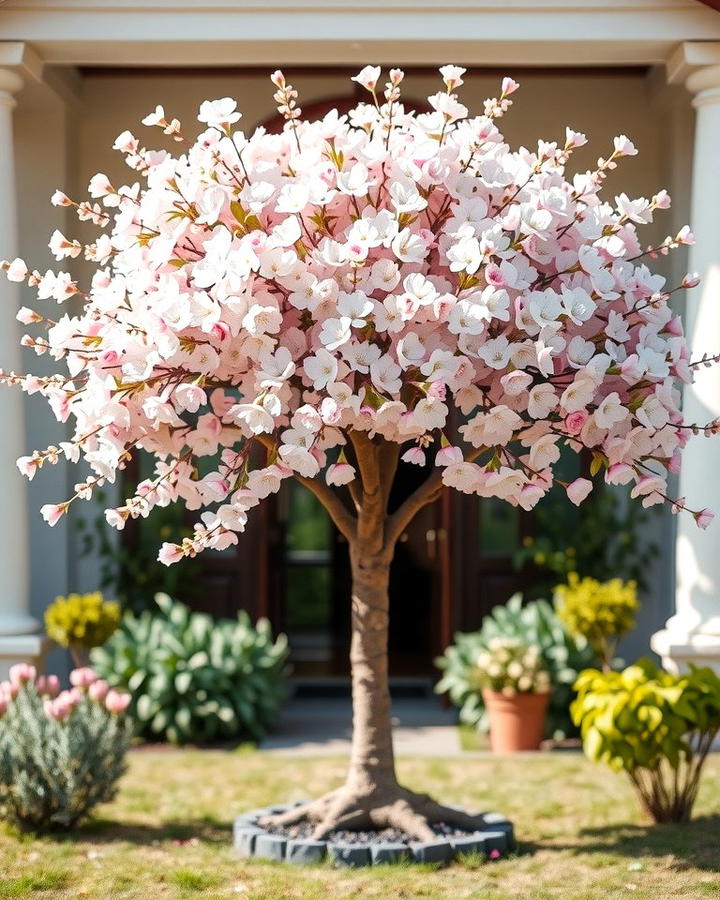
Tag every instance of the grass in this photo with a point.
(168, 835)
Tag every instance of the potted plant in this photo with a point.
(515, 687)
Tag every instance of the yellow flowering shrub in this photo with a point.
(81, 620)
(601, 612)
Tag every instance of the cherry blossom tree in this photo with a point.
(354, 293)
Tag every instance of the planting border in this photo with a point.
(494, 838)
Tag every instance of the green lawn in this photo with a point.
(168, 834)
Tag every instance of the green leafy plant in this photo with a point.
(194, 678)
(655, 726)
(535, 623)
(603, 540)
(60, 753)
(81, 622)
(510, 666)
(600, 612)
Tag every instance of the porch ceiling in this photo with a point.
(331, 32)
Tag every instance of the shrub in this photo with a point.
(194, 678)
(61, 753)
(534, 623)
(655, 726)
(510, 667)
(81, 621)
(600, 612)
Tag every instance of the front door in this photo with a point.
(314, 585)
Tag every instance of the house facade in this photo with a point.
(74, 74)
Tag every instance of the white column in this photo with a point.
(693, 633)
(19, 640)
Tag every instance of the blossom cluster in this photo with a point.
(511, 667)
(258, 298)
(59, 704)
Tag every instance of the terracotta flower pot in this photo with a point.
(517, 722)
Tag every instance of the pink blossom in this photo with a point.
(98, 689)
(21, 673)
(3, 705)
(340, 473)
(578, 490)
(9, 690)
(117, 701)
(83, 677)
(704, 518)
(619, 473)
(28, 466)
(17, 270)
(53, 512)
(61, 707)
(48, 685)
(448, 455)
(169, 554)
(414, 455)
(337, 279)
(575, 421)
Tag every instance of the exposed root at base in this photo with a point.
(395, 807)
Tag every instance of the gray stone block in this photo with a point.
(389, 853)
(244, 838)
(303, 852)
(353, 855)
(270, 846)
(466, 845)
(498, 822)
(495, 840)
(432, 851)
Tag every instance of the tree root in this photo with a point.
(396, 807)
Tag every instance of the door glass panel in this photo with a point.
(308, 577)
(308, 597)
(308, 525)
(499, 527)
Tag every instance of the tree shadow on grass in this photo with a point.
(207, 830)
(694, 844)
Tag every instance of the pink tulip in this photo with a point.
(8, 690)
(98, 690)
(21, 673)
(117, 701)
(49, 685)
(82, 678)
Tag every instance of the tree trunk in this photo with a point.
(371, 796)
(372, 763)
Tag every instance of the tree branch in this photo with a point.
(344, 520)
(427, 492)
(342, 517)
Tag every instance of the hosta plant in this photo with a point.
(194, 678)
(600, 612)
(510, 666)
(81, 622)
(61, 752)
(656, 727)
(382, 288)
(535, 623)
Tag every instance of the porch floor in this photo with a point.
(321, 726)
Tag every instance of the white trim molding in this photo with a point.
(332, 32)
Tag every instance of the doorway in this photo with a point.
(315, 584)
